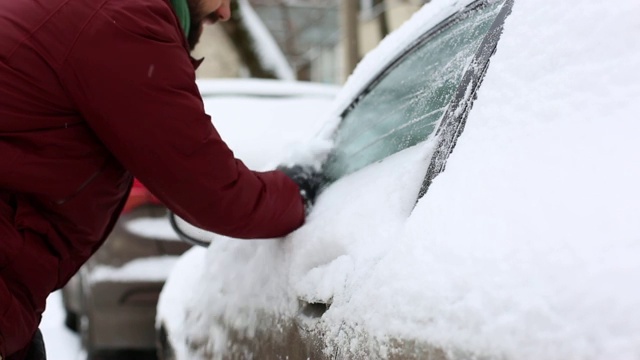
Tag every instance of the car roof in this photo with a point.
(263, 87)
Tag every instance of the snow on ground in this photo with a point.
(60, 342)
(526, 247)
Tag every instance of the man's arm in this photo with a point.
(133, 82)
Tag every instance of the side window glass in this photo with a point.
(405, 105)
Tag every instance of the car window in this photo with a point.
(406, 104)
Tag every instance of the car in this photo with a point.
(480, 201)
(112, 299)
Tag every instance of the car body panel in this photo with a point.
(114, 307)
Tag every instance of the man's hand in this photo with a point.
(308, 180)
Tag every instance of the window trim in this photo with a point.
(452, 125)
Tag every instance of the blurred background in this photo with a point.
(309, 40)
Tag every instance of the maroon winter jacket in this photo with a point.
(91, 93)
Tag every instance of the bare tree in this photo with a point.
(382, 18)
(245, 44)
(349, 17)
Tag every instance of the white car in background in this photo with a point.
(112, 300)
(264, 120)
(526, 247)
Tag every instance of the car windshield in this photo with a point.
(405, 105)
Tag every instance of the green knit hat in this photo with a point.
(182, 10)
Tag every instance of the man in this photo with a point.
(92, 93)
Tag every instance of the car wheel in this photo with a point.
(84, 321)
(85, 337)
(165, 350)
(71, 321)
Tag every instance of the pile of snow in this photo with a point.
(526, 247)
(59, 341)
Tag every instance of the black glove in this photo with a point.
(309, 181)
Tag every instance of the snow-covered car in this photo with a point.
(112, 300)
(527, 246)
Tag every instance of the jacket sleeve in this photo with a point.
(131, 78)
